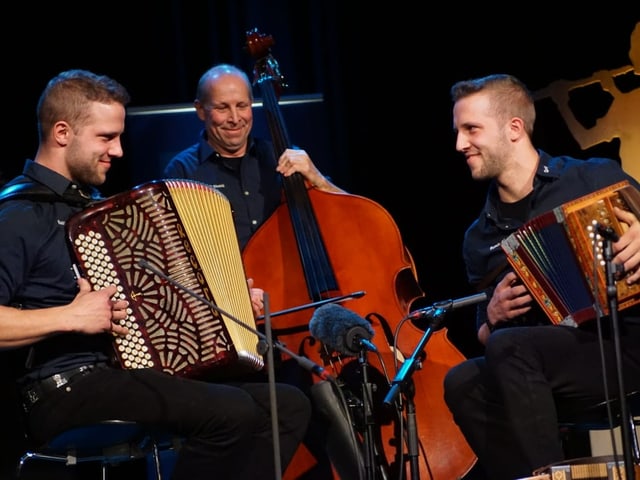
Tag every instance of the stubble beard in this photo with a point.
(85, 171)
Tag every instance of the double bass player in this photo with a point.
(246, 170)
(229, 157)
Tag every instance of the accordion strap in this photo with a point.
(24, 187)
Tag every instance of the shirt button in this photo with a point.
(246, 193)
(254, 222)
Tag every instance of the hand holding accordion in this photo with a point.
(558, 255)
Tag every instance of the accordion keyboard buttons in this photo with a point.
(99, 270)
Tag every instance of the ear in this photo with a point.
(516, 128)
(199, 110)
(62, 132)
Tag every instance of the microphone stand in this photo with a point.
(304, 362)
(266, 343)
(273, 401)
(612, 297)
(403, 381)
(371, 458)
(369, 453)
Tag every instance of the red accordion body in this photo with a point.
(185, 230)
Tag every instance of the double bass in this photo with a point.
(322, 245)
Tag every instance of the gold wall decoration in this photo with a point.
(622, 118)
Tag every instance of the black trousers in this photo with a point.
(507, 403)
(227, 426)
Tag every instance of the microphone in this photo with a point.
(440, 307)
(608, 233)
(341, 329)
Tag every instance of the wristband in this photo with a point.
(490, 326)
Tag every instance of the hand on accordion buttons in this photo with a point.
(95, 311)
(627, 249)
(510, 299)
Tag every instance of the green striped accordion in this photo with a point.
(559, 255)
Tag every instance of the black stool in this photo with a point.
(108, 443)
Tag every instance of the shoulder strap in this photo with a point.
(22, 187)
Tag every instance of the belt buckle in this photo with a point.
(59, 380)
(34, 394)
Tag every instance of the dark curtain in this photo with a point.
(384, 71)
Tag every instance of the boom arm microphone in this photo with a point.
(304, 362)
(444, 306)
(436, 312)
(316, 304)
(341, 329)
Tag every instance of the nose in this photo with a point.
(234, 114)
(461, 142)
(116, 148)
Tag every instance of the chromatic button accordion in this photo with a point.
(559, 255)
(185, 230)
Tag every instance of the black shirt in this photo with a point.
(557, 181)
(36, 271)
(251, 183)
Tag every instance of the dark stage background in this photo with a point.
(383, 73)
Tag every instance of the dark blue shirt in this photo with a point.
(557, 181)
(251, 183)
(36, 270)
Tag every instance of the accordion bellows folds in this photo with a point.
(560, 259)
(185, 230)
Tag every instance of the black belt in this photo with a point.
(37, 390)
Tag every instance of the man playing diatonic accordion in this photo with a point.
(507, 403)
(66, 330)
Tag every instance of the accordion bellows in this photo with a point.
(559, 255)
(185, 230)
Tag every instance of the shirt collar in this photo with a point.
(546, 169)
(58, 183)
(44, 175)
(206, 151)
